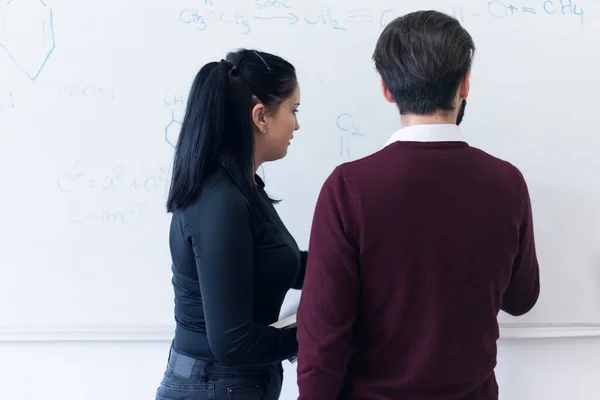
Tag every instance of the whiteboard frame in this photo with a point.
(165, 333)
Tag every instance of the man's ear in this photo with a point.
(386, 93)
(258, 117)
(465, 86)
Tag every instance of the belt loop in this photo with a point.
(204, 371)
(169, 357)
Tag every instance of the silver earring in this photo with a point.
(264, 131)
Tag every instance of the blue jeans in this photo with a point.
(187, 378)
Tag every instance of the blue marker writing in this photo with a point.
(28, 49)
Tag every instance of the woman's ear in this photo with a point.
(258, 118)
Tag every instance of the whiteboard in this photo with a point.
(92, 95)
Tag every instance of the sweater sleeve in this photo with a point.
(299, 282)
(330, 295)
(524, 287)
(222, 241)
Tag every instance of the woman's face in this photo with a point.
(275, 136)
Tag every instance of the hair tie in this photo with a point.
(232, 69)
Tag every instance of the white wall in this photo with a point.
(528, 369)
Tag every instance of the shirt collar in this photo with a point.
(427, 133)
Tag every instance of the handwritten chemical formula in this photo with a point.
(117, 196)
(347, 130)
(87, 91)
(117, 216)
(27, 34)
(172, 130)
(286, 13)
(503, 10)
(173, 126)
(117, 181)
(172, 100)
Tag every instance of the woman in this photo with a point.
(233, 259)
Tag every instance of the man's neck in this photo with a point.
(433, 119)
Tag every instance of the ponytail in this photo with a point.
(217, 129)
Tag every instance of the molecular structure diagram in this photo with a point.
(347, 127)
(172, 130)
(27, 34)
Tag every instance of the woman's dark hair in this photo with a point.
(218, 121)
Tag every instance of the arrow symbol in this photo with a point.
(293, 18)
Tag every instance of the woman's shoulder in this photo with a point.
(220, 181)
(219, 193)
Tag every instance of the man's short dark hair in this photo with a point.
(422, 58)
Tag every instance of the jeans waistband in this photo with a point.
(193, 368)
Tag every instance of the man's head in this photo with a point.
(424, 60)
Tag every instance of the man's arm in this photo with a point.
(223, 244)
(330, 294)
(524, 287)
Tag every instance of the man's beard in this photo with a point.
(461, 112)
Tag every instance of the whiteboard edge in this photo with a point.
(548, 331)
(165, 333)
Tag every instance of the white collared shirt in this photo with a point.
(427, 133)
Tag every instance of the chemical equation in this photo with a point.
(116, 181)
(92, 91)
(502, 10)
(27, 34)
(118, 216)
(243, 21)
(284, 13)
(347, 129)
(7, 101)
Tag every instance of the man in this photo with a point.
(415, 249)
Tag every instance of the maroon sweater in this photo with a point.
(414, 250)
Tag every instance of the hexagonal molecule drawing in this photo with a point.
(172, 130)
(27, 34)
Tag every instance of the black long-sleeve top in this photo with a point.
(231, 273)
